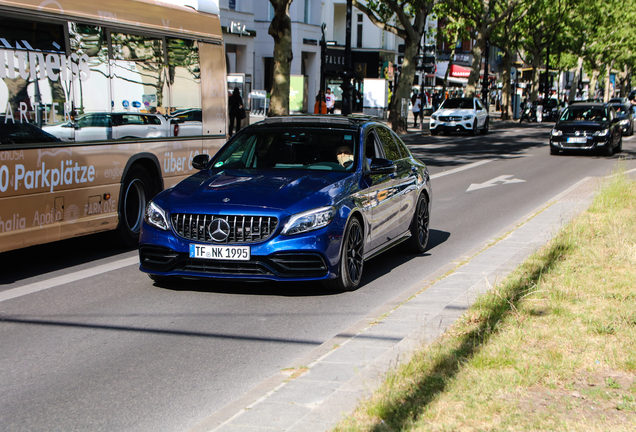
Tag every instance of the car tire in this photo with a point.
(351, 259)
(619, 148)
(609, 150)
(473, 132)
(554, 151)
(419, 227)
(484, 130)
(136, 191)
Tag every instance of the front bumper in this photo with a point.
(451, 126)
(309, 256)
(591, 143)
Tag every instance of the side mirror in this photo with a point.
(200, 161)
(381, 166)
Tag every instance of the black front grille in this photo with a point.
(302, 264)
(157, 258)
(247, 268)
(243, 229)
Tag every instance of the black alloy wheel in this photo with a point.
(474, 131)
(419, 227)
(484, 131)
(351, 259)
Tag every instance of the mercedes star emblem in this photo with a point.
(219, 230)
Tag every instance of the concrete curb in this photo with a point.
(351, 365)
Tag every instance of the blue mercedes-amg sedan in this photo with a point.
(293, 198)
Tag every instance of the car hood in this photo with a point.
(455, 112)
(289, 190)
(581, 126)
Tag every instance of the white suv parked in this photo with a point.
(460, 114)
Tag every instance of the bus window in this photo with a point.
(138, 74)
(185, 86)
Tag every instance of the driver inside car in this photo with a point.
(344, 156)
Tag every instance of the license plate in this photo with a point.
(232, 253)
(577, 140)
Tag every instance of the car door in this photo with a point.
(404, 180)
(382, 197)
(480, 113)
(93, 127)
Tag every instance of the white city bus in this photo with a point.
(102, 105)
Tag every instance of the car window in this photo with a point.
(389, 146)
(458, 103)
(479, 105)
(291, 148)
(372, 148)
(404, 151)
(585, 113)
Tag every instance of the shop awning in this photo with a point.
(457, 71)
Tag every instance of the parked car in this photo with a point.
(295, 198)
(587, 126)
(460, 114)
(12, 132)
(627, 114)
(102, 126)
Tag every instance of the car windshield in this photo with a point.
(584, 113)
(291, 148)
(454, 103)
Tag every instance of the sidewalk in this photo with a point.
(320, 389)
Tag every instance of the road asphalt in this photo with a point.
(326, 385)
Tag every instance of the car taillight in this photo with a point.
(176, 129)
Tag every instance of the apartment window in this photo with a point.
(359, 41)
(231, 5)
(306, 17)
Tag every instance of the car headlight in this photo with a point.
(625, 122)
(156, 216)
(309, 220)
(557, 132)
(467, 117)
(434, 117)
(601, 132)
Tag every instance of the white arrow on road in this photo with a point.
(504, 179)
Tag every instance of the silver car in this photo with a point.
(101, 126)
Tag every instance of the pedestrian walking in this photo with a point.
(330, 100)
(320, 107)
(235, 110)
(417, 110)
(436, 101)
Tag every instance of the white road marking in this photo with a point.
(461, 168)
(504, 179)
(61, 280)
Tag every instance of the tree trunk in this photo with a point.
(403, 88)
(280, 30)
(575, 82)
(608, 94)
(506, 105)
(536, 64)
(450, 64)
(473, 78)
(593, 82)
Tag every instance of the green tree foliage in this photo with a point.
(407, 20)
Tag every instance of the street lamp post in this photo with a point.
(323, 55)
(485, 81)
(348, 69)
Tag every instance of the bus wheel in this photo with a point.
(135, 193)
